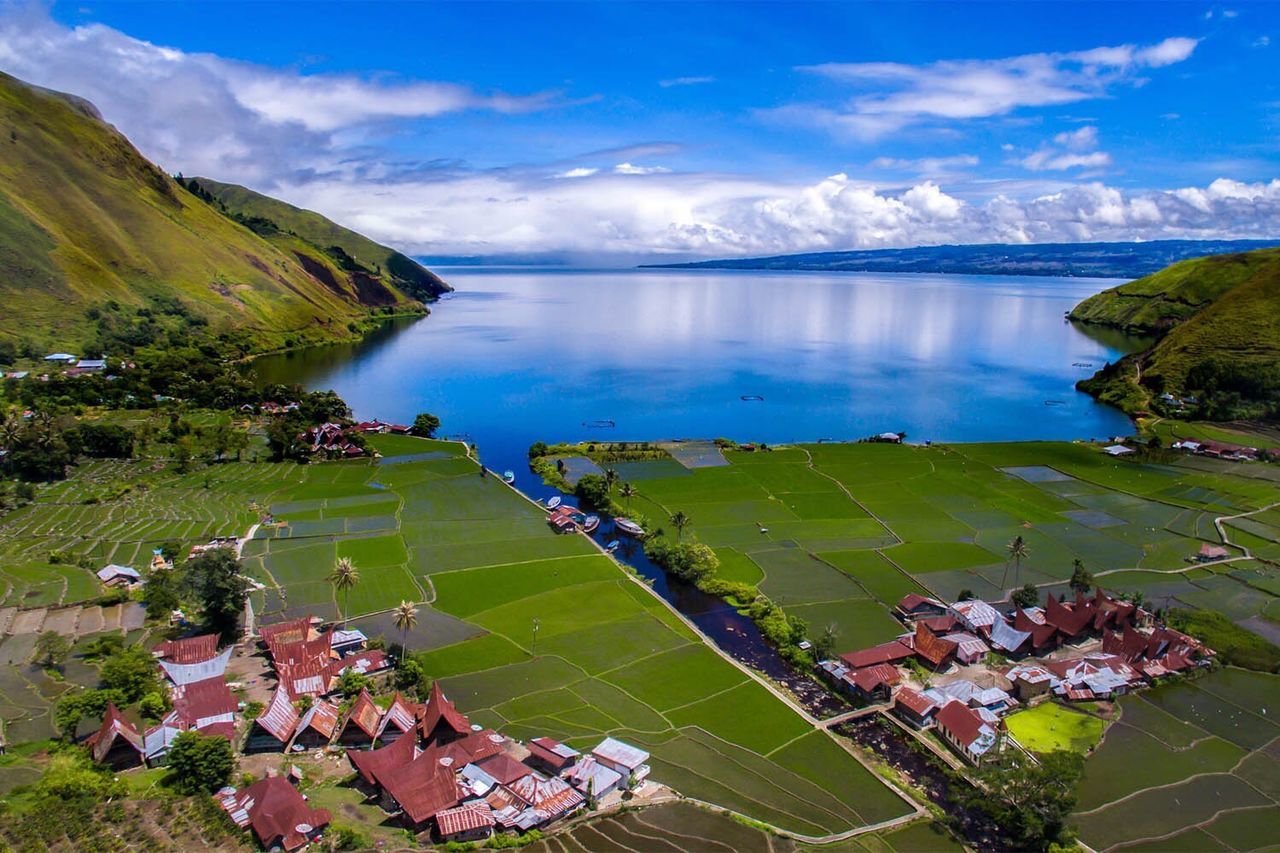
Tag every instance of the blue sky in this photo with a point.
(625, 130)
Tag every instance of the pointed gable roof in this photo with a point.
(424, 787)
(278, 814)
(284, 633)
(895, 650)
(1042, 633)
(1070, 621)
(364, 715)
(374, 764)
(114, 725)
(322, 717)
(401, 714)
(967, 726)
(201, 704)
(931, 647)
(280, 718)
(441, 712)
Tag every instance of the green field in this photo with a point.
(1188, 766)
(837, 533)
(1051, 726)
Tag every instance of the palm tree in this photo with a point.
(610, 478)
(406, 619)
(680, 521)
(627, 491)
(344, 576)
(1017, 551)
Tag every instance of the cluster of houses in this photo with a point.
(72, 365)
(377, 427)
(331, 440)
(423, 762)
(1223, 450)
(270, 408)
(1094, 647)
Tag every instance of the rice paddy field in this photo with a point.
(1192, 765)
(838, 533)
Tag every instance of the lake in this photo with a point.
(522, 355)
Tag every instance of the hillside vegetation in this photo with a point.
(86, 221)
(1219, 339)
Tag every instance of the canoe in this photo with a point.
(612, 546)
(628, 527)
(591, 523)
(554, 502)
(508, 477)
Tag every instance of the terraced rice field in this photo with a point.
(838, 533)
(1188, 766)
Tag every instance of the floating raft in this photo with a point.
(751, 398)
(605, 424)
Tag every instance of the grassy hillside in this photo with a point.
(271, 218)
(1219, 336)
(86, 221)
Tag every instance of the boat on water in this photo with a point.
(629, 527)
(612, 546)
(590, 523)
(508, 477)
(554, 502)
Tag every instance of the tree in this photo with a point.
(826, 643)
(690, 561)
(75, 707)
(426, 425)
(592, 491)
(282, 438)
(131, 672)
(410, 676)
(350, 683)
(214, 579)
(1081, 578)
(200, 763)
(680, 521)
(406, 619)
(153, 706)
(538, 449)
(52, 649)
(1027, 596)
(161, 593)
(1018, 550)
(627, 492)
(1030, 802)
(344, 577)
(966, 594)
(610, 478)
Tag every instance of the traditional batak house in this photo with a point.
(551, 756)
(471, 821)
(207, 706)
(421, 789)
(361, 726)
(117, 743)
(932, 649)
(441, 721)
(274, 727)
(373, 764)
(872, 683)
(276, 812)
(188, 650)
(317, 725)
(969, 732)
(546, 799)
(401, 718)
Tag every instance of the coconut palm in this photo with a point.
(627, 492)
(344, 576)
(406, 619)
(611, 478)
(1018, 550)
(680, 521)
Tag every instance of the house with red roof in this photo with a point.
(504, 769)
(272, 730)
(441, 721)
(872, 683)
(914, 707)
(472, 821)
(890, 652)
(421, 789)
(916, 606)
(317, 725)
(208, 706)
(401, 717)
(187, 650)
(546, 799)
(117, 743)
(276, 812)
(967, 731)
(932, 649)
(360, 729)
(373, 764)
(551, 755)
(285, 633)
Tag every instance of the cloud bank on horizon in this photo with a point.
(369, 150)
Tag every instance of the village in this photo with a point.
(424, 764)
(962, 667)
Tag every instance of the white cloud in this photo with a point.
(580, 172)
(894, 95)
(685, 81)
(1081, 139)
(1075, 150)
(1262, 41)
(629, 169)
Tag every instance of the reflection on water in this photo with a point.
(522, 355)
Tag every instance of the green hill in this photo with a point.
(271, 217)
(86, 221)
(1219, 337)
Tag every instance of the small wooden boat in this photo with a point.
(508, 477)
(590, 523)
(629, 527)
(554, 502)
(612, 546)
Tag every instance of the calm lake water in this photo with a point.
(520, 355)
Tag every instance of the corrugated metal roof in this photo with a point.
(620, 753)
(189, 673)
(279, 718)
